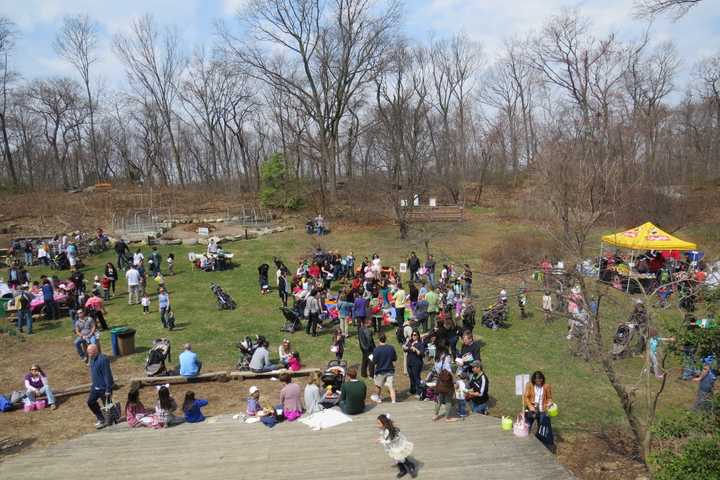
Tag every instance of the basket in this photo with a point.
(506, 423)
(553, 410)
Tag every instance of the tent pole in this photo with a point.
(632, 261)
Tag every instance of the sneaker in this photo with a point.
(53, 406)
(99, 424)
(375, 398)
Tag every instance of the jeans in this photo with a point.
(267, 368)
(51, 310)
(312, 324)
(28, 258)
(468, 289)
(452, 343)
(530, 417)
(133, 294)
(431, 278)
(24, 317)
(479, 407)
(44, 390)
(81, 342)
(163, 311)
(106, 294)
(462, 407)
(414, 374)
(92, 403)
(414, 276)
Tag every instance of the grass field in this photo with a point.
(585, 398)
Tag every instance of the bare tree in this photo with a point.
(7, 40)
(652, 8)
(154, 64)
(76, 42)
(329, 50)
(55, 101)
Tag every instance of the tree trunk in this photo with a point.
(8, 153)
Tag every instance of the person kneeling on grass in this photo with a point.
(191, 408)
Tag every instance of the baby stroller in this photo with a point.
(625, 336)
(247, 348)
(495, 316)
(292, 320)
(158, 354)
(59, 262)
(224, 301)
(332, 379)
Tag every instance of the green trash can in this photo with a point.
(115, 339)
(3, 306)
(126, 341)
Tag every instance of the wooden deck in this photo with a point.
(222, 448)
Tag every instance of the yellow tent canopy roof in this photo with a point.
(647, 237)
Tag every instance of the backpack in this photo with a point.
(5, 404)
(445, 383)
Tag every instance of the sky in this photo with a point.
(489, 22)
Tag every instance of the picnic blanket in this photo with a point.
(326, 419)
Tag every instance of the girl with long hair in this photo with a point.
(396, 445)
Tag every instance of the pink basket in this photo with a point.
(29, 407)
(40, 404)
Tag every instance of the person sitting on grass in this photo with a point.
(290, 399)
(311, 395)
(191, 408)
(285, 352)
(352, 394)
(164, 409)
(260, 361)
(36, 384)
(134, 409)
(253, 402)
(294, 362)
(190, 366)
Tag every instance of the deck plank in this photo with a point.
(226, 448)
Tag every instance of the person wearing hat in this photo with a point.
(478, 389)
(22, 304)
(253, 401)
(706, 382)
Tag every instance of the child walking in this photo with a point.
(171, 263)
(460, 391)
(145, 304)
(338, 346)
(396, 445)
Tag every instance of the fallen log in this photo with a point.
(245, 375)
(177, 379)
(69, 392)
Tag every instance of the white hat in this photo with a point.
(253, 389)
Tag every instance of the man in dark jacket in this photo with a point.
(413, 264)
(102, 382)
(367, 346)
(51, 309)
(122, 251)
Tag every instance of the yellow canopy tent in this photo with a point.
(647, 237)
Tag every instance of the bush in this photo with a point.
(276, 190)
(522, 251)
(699, 459)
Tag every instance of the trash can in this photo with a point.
(126, 341)
(114, 340)
(3, 306)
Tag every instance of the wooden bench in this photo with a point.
(444, 213)
(221, 376)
